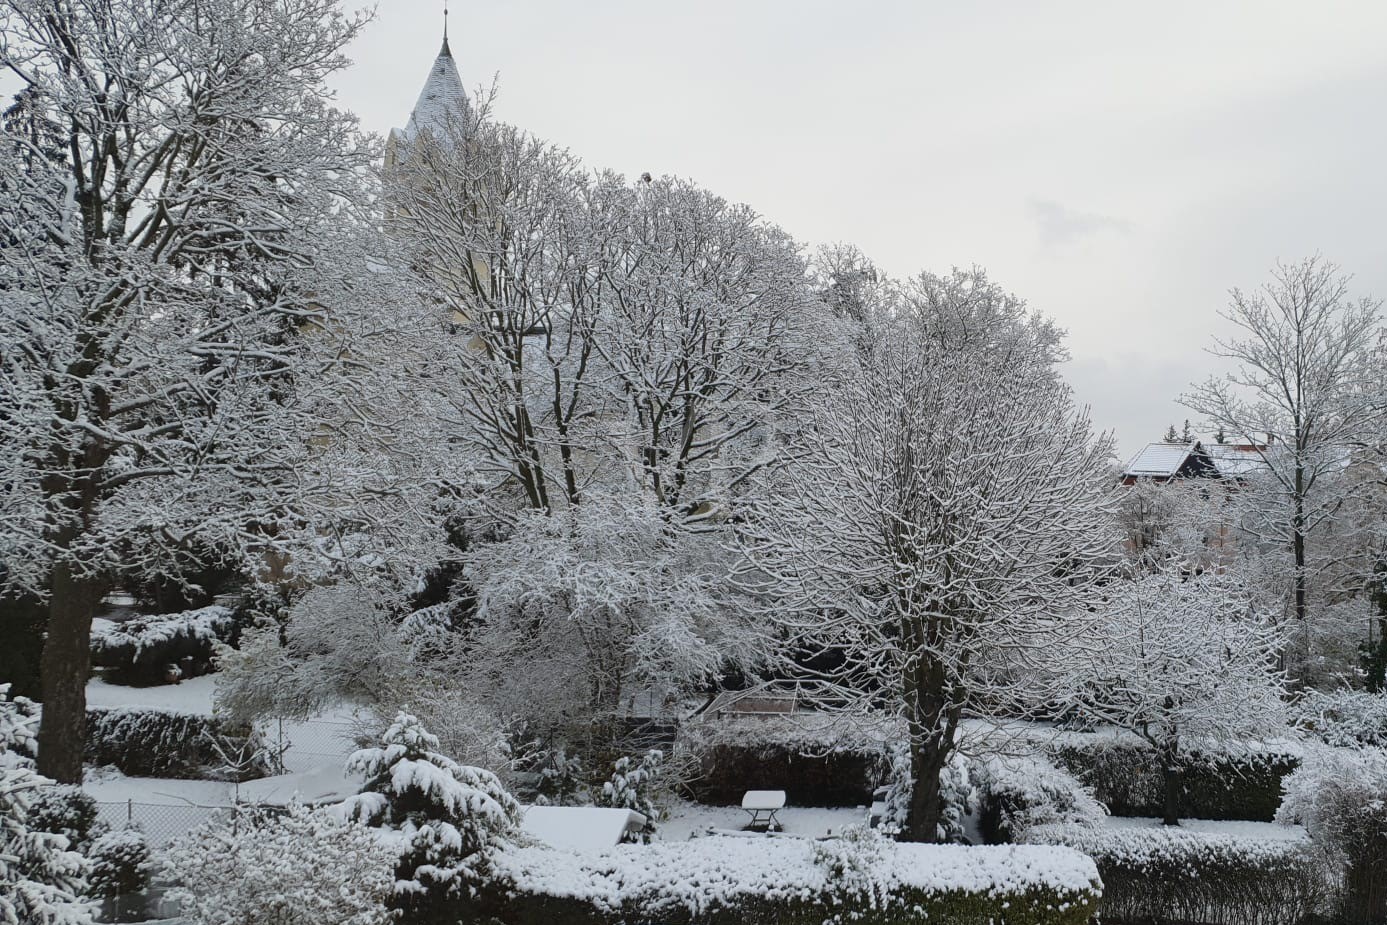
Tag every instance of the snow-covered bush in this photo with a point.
(68, 811)
(562, 781)
(723, 880)
(899, 785)
(447, 816)
(852, 862)
(162, 647)
(1169, 874)
(301, 867)
(161, 743)
(40, 879)
(121, 868)
(1019, 793)
(1344, 718)
(1340, 796)
(633, 787)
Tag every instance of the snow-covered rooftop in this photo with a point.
(1160, 459)
(1235, 461)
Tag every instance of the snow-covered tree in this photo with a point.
(632, 787)
(447, 815)
(580, 607)
(300, 867)
(1306, 355)
(947, 510)
(41, 881)
(610, 336)
(1187, 664)
(188, 289)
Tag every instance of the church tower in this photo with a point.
(442, 102)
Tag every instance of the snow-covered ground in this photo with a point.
(687, 820)
(191, 696)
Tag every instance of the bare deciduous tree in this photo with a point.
(1301, 392)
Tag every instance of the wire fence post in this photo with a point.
(130, 813)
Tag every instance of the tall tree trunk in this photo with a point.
(932, 723)
(65, 666)
(927, 760)
(1170, 774)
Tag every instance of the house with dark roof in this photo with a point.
(1162, 462)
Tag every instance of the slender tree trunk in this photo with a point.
(65, 667)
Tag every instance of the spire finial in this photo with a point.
(446, 50)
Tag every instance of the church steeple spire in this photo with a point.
(446, 52)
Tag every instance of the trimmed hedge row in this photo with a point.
(1126, 777)
(736, 881)
(1174, 875)
(159, 743)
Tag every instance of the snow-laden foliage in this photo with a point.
(562, 781)
(946, 515)
(149, 649)
(1345, 719)
(693, 880)
(40, 879)
(633, 786)
(162, 743)
(608, 597)
(300, 867)
(344, 644)
(67, 811)
(448, 815)
(121, 863)
(1019, 793)
(190, 271)
(1340, 796)
(1183, 663)
(851, 861)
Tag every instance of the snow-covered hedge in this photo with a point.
(162, 743)
(1241, 782)
(1016, 794)
(1175, 874)
(148, 650)
(817, 759)
(1347, 719)
(790, 881)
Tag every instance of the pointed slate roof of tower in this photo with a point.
(442, 98)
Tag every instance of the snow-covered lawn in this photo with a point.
(686, 820)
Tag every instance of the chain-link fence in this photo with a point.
(297, 747)
(162, 823)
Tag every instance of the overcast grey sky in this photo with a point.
(1119, 165)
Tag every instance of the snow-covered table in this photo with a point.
(762, 805)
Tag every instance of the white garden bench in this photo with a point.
(762, 805)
